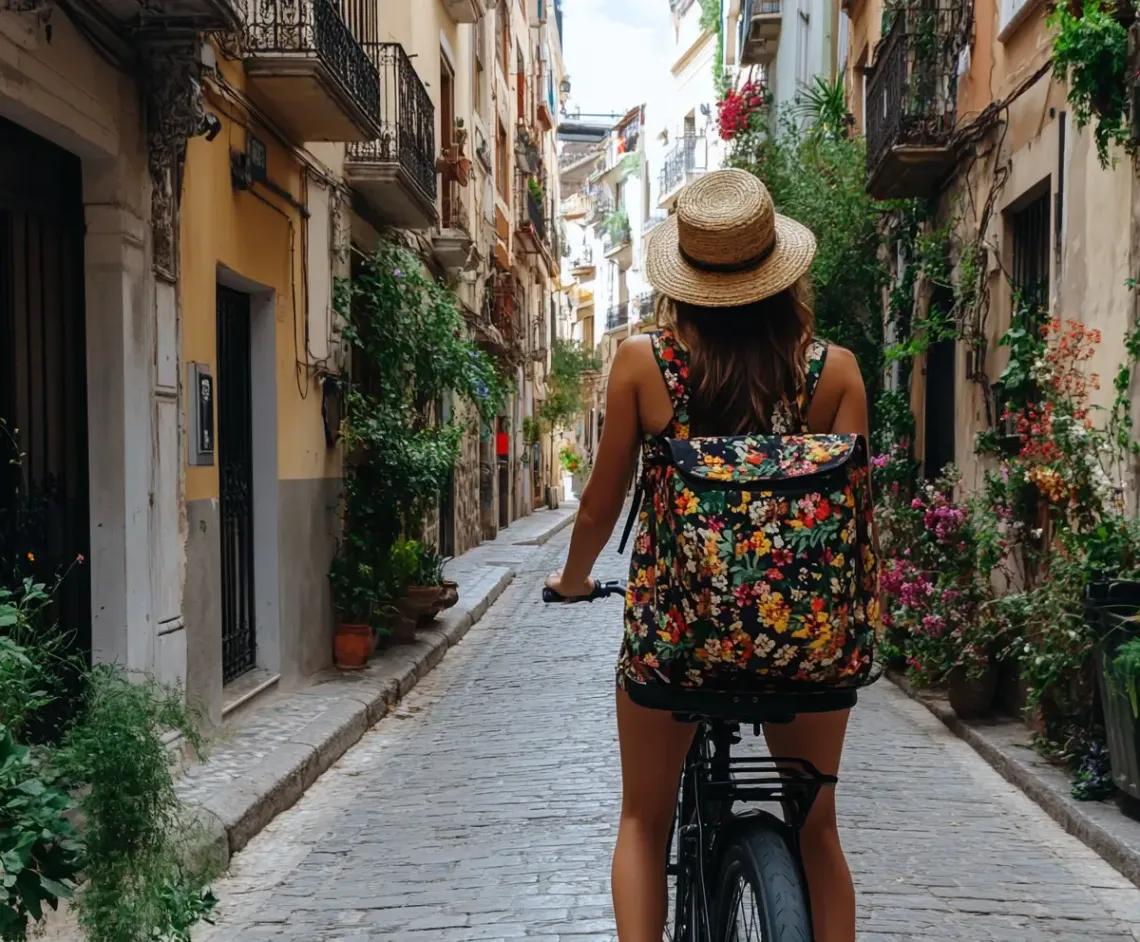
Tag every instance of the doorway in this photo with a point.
(45, 522)
(235, 482)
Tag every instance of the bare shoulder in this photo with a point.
(840, 370)
(634, 357)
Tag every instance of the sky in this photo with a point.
(615, 51)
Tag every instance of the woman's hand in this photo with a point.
(569, 590)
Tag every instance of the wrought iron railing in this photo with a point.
(688, 156)
(912, 95)
(641, 308)
(407, 118)
(314, 28)
(617, 316)
(583, 258)
(535, 214)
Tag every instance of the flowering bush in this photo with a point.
(739, 109)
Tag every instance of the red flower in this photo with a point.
(822, 511)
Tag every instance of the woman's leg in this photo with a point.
(653, 748)
(818, 738)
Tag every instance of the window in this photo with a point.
(844, 40)
(504, 36)
(478, 69)
(1030, 237)
(1009, 11)
(803, 42)
(502, 160)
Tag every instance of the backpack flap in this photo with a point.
(768, 462)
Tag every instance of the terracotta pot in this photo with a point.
(419, 602)
(450, 595)
(353, 645)
(971, 697)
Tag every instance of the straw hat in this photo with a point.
(726, 245)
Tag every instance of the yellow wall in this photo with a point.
(221, 226)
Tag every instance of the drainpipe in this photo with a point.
(1059, 198)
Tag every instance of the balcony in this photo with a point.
(685, 161)
(501, 329)
(912, 98)
(582, 263)
(395, 171)
(761, 22)
(617, 316)
(617, 238)
(465, 11)
(311, 72)
(530, 215)
(642, 308)
(186, 16)
(453, 244)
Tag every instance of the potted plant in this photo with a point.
(1113, 610)
(403, 564)
(534, 189)
(430, 584)
(416, 598)
(354, 588)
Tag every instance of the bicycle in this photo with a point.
(738, 876)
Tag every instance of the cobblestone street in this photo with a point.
(485, 808)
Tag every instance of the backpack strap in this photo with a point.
(672, 361)
(816, 357)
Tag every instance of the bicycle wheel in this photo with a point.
(761, 895)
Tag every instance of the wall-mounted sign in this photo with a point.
(201, 387)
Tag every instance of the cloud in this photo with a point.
(616, 51)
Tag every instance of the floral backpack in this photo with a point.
(754, 565)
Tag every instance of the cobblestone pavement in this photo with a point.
(485, 809)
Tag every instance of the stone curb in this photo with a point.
(551, 533)
(1059, 805)
(229, 818)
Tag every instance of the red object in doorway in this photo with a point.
(502, 444)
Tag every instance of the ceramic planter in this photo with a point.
(1108, 608)
(972, 696)
(353, 645)
(418, 602)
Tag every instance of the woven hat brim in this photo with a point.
(668, 272)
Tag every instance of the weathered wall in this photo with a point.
(256, 242)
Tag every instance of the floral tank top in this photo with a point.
(638, 661)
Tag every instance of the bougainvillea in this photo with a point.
(738, 110)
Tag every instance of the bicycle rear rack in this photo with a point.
(793, 783)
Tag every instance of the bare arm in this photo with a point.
(604, 496)
(851, 415)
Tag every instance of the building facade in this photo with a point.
(993, 145)
(178, 199)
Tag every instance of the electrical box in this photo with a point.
(201, 386)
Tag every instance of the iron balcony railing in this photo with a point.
(688, 156)
(912, 95)
(306, 28)
(583, 258)
(617, 316)
(641, 307)
(407, 118)
(536, 215)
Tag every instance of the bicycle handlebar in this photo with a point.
(601, 591)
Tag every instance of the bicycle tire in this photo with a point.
(759, 858)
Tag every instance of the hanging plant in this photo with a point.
(1090, 51)
(741, 109)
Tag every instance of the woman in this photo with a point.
(736, 356)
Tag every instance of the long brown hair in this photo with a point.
(744, 360)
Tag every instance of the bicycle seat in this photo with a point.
(739, 705)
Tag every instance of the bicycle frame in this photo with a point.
(712, 782)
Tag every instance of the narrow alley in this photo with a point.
(485, 808)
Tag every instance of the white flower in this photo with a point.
(1035, 533)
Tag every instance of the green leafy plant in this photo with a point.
(403, 565)
(1125, 669)
(429, 570)
(824, 105)
(710, 15)
(616, 226)
(534, 189)
(411, 340)
(140, 882)
(1090, 52)
(40, 852)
